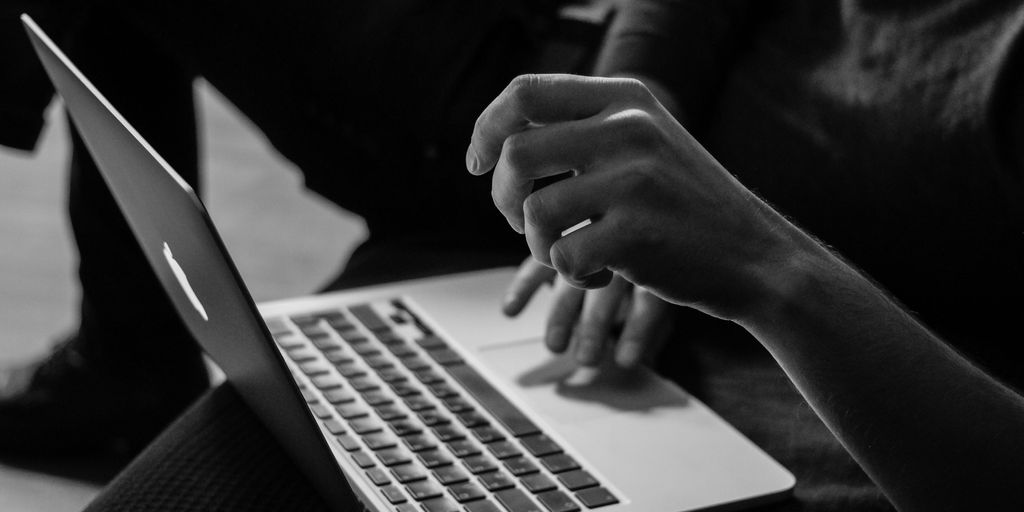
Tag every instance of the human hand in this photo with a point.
(664, 214)
(586, 323)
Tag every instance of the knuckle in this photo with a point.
(534, 209)
(515, 150)
(637, 127)
(523, 87)
(636, 91)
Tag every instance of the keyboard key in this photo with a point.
(378, 476)
(540, 445)
(403, 428)
(338, 357)
(538, 482)
(432, 417)
(478, 464)
(277, 326)
(577, 479)
(428, 376)
(404, 388)
(402, 351)
(418, 402)
(515, 500)
(419, 442)
(321, 411)
(466, 491)
(393, 494)
(388, 337)
(378, 361)
(482, 506)
(504, 449)
(442, 390)
(365, 314)
(431, 342)
(448, 433)
(407, 507)
(380, 441)
(440, 505)
(558, 501)
(365, 349)
(503, 410)
(393, 457)
(326, 343)
(448, 475)
(411, 472)
(415, 363)
(352, 337)
(488, 434)
(363, 460)
(470, 419)
(339, 396)
(445, 356)
(434, 458)
(390, 375)
(463, 448)
(363, 426)
(347, 442)
(497, 480)
(312, 368)
(559, 463)
(325, 382)
(350, 371)
(377, 398)
(302, 354)
(456, 404)
(364, 384)
(350, 411)
(424, 490)
(334, 426)
(596, 497)
(520, 466)
(390, 412)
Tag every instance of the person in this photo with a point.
(842, 137)
(300, 76)
(934, 430)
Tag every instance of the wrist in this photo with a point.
(788, 274)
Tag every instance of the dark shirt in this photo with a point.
(885, 128)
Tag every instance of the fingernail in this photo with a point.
(472, 162)
(628, 354)
(554, 338)
(508, 303)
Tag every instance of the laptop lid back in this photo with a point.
(182, 246)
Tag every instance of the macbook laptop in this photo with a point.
(420, 395)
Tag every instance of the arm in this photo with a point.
(934, 431)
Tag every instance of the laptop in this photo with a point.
(420, 395)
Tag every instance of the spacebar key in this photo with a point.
(504, 411)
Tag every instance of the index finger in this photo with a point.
(540, 99)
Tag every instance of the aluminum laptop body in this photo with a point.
(436, 354)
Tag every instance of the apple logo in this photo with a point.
(183, 281)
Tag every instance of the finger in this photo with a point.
(552, 210)
(584, 256)
(565, 309)
(530, 276)
(538, 100)
(593, 333)
(647, 326)
(543, 152)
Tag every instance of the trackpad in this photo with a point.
(558, 388)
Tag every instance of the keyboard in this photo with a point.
(425, 427)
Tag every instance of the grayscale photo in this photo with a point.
(512, 256)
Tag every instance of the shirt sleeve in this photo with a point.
(688, 46)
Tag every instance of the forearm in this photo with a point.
(934, 431)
